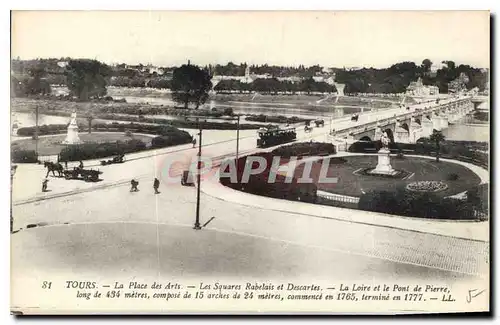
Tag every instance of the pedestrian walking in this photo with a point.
(44, 185)
(80, 165)
(134, 185)
(156, 184)
(194, 142)
(66, 164)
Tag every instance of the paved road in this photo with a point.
(103, 229)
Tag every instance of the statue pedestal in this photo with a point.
(72, 136)
(384, 164)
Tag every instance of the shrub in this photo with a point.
(478, 196)
(24, 156)
(420, 205)
(361, 146)
(100, 150)
(305, 149)
(128, 133)
(228, 111)
(42, 130)
(171, 140)
(452, 177)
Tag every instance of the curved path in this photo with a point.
(468, 230)
(103, 231)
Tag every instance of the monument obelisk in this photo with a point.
(72, 136)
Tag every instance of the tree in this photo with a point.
(437, 137)
(426, 65)
(87, 78)
(89, 119)
(190, 84)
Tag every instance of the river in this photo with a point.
(467, 132)
(163, 97)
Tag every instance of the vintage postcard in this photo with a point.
(320, 162)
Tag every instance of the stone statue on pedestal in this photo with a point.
(384, 139)
(72, 136)
(384, 159)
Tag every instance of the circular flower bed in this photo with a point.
(427, 186)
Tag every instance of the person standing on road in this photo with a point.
(81, 165)
(134, 185)
(44, 185)
(194, 142)
(156, 184)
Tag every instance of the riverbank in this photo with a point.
(130, 113)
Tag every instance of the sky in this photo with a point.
(331, 39)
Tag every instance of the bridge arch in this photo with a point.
(418, 121)
(366, 138)
(405, 126)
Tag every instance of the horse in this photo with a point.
(53, 167)
(307, 128)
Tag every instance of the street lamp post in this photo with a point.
(36, 131)
(237, 139)
(198, 179)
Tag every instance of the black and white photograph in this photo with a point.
(255, 162)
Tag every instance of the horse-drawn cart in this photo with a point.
(319, 123)
(88, 175)
(116, 160)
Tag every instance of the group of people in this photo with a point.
(134, 185)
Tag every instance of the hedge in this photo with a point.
(170, 140)
(420, 205)
(479, 197)
(100, 150)
(24, 156)
(42, 130)
(448, 149)
(103, 127)
(258, 184)
(305, 149)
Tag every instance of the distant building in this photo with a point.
(292, 79)
(417, 88)
(458, 85)
(62, 64)
(247, 79)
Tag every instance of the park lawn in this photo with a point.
(52, 145)
(352, 184)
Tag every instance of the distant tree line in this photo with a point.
(273, 86)
(141, 82)
(85, 79)
(231, 69)
(398, 77)
(89, 78)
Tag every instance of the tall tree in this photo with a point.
(89, 120)
(190, 84)
(87, 78)
(426, 65)
(437, 137)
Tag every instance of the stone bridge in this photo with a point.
(410, 126)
